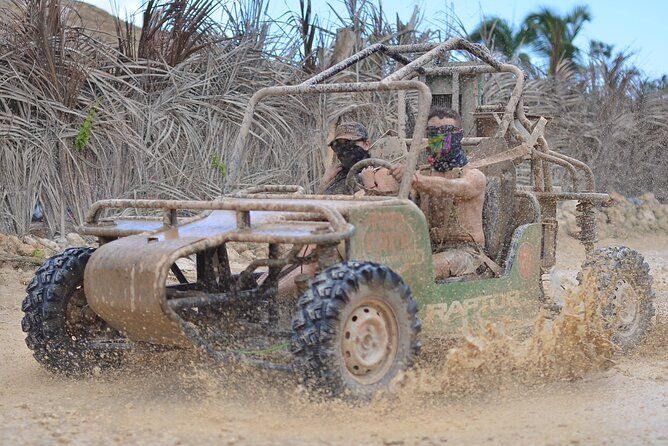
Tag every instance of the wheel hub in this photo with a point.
(369, 341)
(624, 304)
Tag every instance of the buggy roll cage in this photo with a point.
(513, 120)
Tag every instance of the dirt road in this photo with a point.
(171, 401)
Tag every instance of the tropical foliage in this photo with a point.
(546, 35)
(500, 36)
(553, 36)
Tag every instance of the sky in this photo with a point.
(636, 25)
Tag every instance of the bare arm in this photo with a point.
(331, 172)
(470, 185)
(379, 179)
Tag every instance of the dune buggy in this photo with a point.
(359, 321)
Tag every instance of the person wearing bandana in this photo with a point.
(351, 144)
(451, 195)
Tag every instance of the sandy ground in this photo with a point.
(173, 401)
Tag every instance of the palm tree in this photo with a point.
(500, 36)
(554, 35)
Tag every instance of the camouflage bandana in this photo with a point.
(348, 152)
(445, 148)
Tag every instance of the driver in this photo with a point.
(451, 196)
(351, 144)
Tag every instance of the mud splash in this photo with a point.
(486, 361)
(566, 347)
(488, 367)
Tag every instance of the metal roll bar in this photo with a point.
(424, 103)
(271, 189)
(559, 162)
(428, 52)
(341, 229)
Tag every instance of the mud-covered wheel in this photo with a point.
(623, 280)
(65, 335)
(355, 330)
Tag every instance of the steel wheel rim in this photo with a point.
(369, 341)
(624, 307)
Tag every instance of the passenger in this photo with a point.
(451, 195)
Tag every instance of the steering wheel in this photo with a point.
(351, 178)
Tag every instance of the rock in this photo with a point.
(646, 215)
(11, 245)
(626, 217)
(661, 212)
(239, 247)
(75, 240)
(31, 241)
(618, 198)
(6, 243)
(614, 214)
(247, 256)
(61, 242)
(663, 222)
(260, 252)
(49, 244)
(186, 265)
(21, 248)
(233, 255)
(648, 199)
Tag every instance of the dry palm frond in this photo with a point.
(175, 30)
(602, 116)
(167, 109)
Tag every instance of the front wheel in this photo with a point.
(355, 330)
(65, 335)
(622, 277)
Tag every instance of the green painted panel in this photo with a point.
(512, 298)
(396, 236)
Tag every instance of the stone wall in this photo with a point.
(625, 217)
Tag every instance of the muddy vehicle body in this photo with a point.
(359, 322)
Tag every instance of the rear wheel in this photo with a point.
(64, 334)
(622, 277)
(355, 330)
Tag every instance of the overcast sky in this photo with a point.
(640, 25)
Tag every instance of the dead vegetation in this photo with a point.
(154, 113)
(607, 115)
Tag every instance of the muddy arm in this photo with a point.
(469, 186)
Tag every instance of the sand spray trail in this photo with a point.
(567, 346)
(485, 362)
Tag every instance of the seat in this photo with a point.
(498, 212)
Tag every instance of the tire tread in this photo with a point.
(319, 308)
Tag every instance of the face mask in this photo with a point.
(348, 152)
(445, 148)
